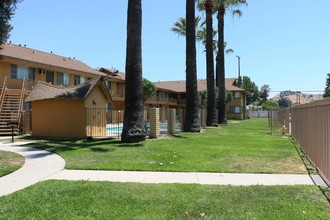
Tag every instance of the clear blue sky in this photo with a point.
(282, 43)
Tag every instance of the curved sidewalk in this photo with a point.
(39, 164)
(42, 165)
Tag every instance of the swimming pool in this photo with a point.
(119, 127)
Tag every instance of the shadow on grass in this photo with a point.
(311, 169)
(58, 145)
(118, 143)
(177, 136)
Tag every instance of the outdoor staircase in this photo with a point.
(11, 105)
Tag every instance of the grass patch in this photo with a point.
(240, 147)
(102, 200)
(9, 162)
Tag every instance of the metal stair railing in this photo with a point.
(21, 102)
(3, 93)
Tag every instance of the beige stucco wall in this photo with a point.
(96, 99)
(236, 102)
(58, 118)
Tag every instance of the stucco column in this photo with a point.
(181, 117)
(154, 122)
(202, 113)
(171, 121)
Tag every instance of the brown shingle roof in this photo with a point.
(36, 56)
(43, 91)
(113, 74)
(180, 86)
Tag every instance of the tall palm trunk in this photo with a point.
(222, 119)
(211, 105)
(133, 129)
(192, 114)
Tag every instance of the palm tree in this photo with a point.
(192, 114)
(133, 129)
(179, 27)
(222, 6)
(211, 104)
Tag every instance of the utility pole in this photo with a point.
(239, 70)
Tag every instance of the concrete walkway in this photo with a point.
(42, 165)
(39, 164)
(237, 179)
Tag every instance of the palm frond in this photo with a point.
(179, 27)
(228, 51)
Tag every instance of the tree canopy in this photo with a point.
(284, 103)
(270, 105)
(7, 11)
(149, 89)
(264, 93)
(252, 88)
(327, 87)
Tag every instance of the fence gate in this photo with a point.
(104, 123)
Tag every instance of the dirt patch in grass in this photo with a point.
(288, 166)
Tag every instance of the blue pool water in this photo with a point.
(115, 129)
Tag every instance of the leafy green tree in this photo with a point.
(149, 89)
(202, 95)
(252, 88)
(270, 105)
(133, 126)
(7, 11)
(229, 96)
(327, 87)
(284, 103)
(264, 93)
(192, 103)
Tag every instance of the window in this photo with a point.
(63, 79)
(79, 79)
(108, 84)
(235, 109)
(237, 95)
(28, 106)
(50, 77)
(82, 79)
(162, 94)
(108, 106)
(21, 72)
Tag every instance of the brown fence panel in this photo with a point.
(310, 127)
(103, 122)
(26, 122)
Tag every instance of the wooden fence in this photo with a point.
(309, 125)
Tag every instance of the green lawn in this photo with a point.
(102, 200)
(9, 162)
(240, 147)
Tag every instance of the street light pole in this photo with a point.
(239, 70)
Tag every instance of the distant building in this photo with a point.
(53, 83)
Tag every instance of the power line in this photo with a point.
(299, 91)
